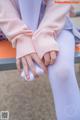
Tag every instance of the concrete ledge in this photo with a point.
(10, 64)
(7, 64)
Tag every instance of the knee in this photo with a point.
(62, 72)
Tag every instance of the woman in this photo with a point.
(50, 44)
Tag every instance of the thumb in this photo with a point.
(53, 56)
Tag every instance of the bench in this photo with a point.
(8, 54)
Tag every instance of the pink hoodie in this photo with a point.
(43, 39)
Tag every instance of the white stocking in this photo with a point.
(63, 81)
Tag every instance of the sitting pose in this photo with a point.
(49, 41)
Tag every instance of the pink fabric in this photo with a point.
(43, 39)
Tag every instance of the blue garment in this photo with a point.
(42, 11)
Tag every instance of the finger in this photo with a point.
(47, 59)
(18, 64)
(53, 56)
(31, 66)
(29, 34)
(25, 67)
(36, 58)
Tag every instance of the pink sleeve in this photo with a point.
(51, 25)
(14, 29)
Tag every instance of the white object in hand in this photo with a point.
(39, 71)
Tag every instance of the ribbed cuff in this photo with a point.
(45, 43)
(24, 46)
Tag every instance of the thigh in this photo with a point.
(63, 68)
(66, 43)
(30, 10)
(61, 73)
(63, 81)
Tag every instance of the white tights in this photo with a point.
(63, 81)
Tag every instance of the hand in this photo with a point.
(49, 58)
(27, 62)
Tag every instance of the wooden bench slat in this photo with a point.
(8, 54)
(6, 50)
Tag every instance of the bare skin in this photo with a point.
(27, 62)
(49, 58)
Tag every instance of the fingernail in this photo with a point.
(52, 62)
(46, 70)
(36, 76)
(28, 77)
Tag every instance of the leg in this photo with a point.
(63, 81)
(30, 10)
